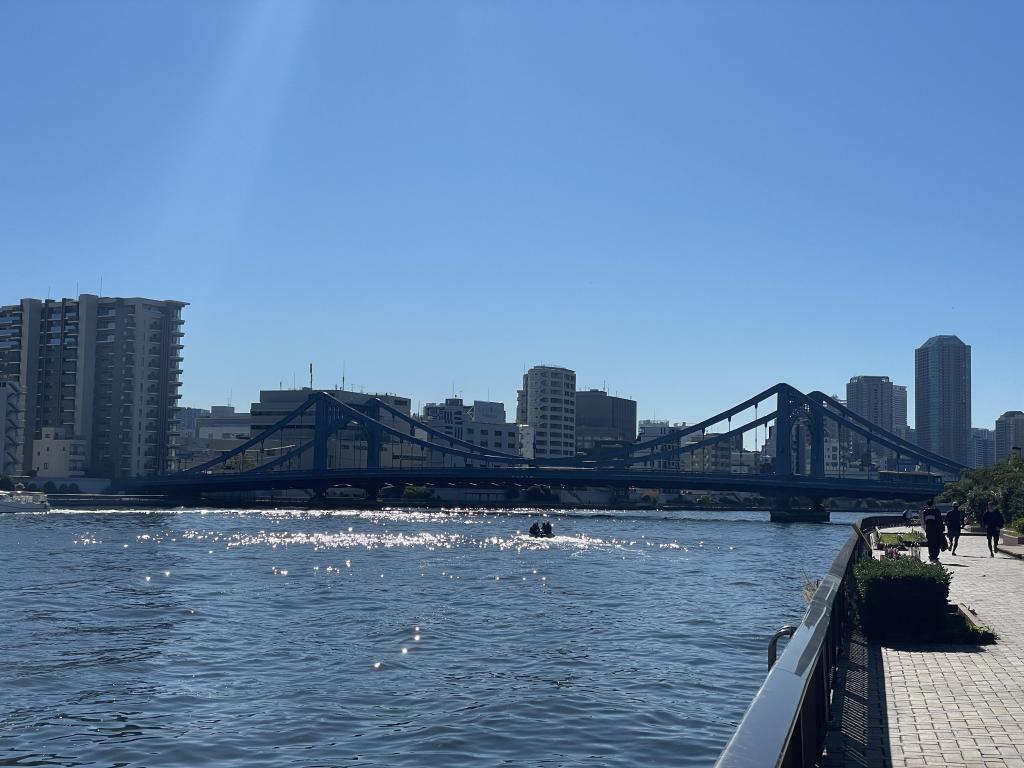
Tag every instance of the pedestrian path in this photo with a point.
(951, 706)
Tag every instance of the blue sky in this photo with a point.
(684, 202)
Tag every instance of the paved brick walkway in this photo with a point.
(947, 705)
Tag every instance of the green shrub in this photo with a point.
(902, 598)
(417, 493)
(49, 487)
(73, 488)
(1017, 524)
(6, 484)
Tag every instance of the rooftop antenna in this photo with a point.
(310, 375)
(101, 285)
(343, 374)
(231, 395)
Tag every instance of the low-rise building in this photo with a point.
(481, 424)
(56, 455)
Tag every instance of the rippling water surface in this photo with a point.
(392, 638)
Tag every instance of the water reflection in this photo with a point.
(396, 637)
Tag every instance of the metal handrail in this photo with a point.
(773, 644)
(786, 722)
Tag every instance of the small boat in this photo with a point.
(22, 501)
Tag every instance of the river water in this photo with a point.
(389, 638)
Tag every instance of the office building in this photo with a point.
(943, 397)
(347, 448)
(602, 419)
(11, 418)
(102, 370)
(1009, 439)
(546, 412)
(223, 423)
(482, 424)
(983, 448)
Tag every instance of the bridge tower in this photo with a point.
(788, 415)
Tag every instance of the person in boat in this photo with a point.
(535, 530)
(546, 531)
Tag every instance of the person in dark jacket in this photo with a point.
(993, 522)
(954, 522)
(931, 518)
(546, 530)
(535, 530)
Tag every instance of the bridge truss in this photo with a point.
(326, 442)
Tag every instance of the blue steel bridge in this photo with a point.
(401, 450)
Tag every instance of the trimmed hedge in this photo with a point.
(902, 598)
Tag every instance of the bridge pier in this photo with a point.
(784, 511)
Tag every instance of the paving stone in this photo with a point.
(950, 705)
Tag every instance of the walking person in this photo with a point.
(993, 522)
(932, 520)
(954, 522)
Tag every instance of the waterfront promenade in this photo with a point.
(941, 705)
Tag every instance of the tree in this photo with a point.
(417, 493)
(1000, 487)
(6, 484)
(49, 487)
(539, 493)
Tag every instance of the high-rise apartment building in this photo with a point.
(546, 412)
(1009, 435)
(983, 448)
(11, 419)
(602, 418)
(102, 370)
(899, 410)
(943, 397)
(872, 398)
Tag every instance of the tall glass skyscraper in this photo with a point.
(943, 397)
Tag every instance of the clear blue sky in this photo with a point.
(685, 201)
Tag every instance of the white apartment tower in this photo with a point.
(546, 412)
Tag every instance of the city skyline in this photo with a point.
(686, 205)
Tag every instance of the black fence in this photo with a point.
(786, 723)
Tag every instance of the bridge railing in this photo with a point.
(786, 723)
